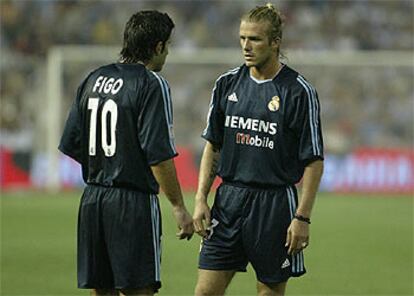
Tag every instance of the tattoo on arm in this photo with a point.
(213, 168)
(216, 148)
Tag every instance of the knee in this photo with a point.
(104, 292)
(207, 290)
(130, 292)
(201, 290)
(271, 289)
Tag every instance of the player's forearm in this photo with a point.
(208, 170)
(311, 179)
(166, 176)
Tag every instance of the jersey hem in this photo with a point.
(255, 186)
(281, 279)
(121, 187)
(154, 285)
(217, 268)
(212, 141)
(155, 162)
(311, 159)
(67, 153)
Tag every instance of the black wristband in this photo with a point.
(301, 218)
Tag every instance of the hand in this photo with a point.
(297, 236)
(184, 222)
(201, 217)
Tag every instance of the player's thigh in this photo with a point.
(213, 282)
(223, 249)
(92, 273)
(264, 236)
(271, 289)
(137, 292)
(133, 234)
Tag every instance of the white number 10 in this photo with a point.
(108, 107)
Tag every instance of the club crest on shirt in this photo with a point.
(274, 104)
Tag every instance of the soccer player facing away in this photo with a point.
(120, 130)
(263, 135)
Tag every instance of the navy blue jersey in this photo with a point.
(119, 125)
(267, 130)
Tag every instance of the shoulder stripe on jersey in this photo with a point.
(314, 111)
(155, 221)
(313, 114)
(211, 105)
(168, 95)
(165, 95)
(297, 260)
(167, 107)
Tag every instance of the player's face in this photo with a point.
(257, 48)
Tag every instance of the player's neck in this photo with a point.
(122, 61)
(150, 67)
(266, 71)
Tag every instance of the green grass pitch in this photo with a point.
(360, 245)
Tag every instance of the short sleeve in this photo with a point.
(155, 123)
(70, 142)
(215, 118)
(307, 124)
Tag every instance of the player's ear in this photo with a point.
(159, 48)
(276, 43)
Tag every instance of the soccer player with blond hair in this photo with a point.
(263, 136)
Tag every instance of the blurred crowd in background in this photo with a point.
(31, 27)
(361, 106)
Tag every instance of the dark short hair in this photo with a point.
(142, 33)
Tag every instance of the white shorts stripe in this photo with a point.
(292, 212)
(297, 260)
(155, 236)
(290, 202)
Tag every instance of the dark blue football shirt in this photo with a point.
(119, 125)
(268, 130)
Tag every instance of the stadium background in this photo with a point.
(358, 54)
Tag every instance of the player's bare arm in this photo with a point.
(298, 231)
(208, 169)
(166, 176)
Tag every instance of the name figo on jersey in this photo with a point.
(251, 124)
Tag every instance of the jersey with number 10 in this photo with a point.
(119, 125)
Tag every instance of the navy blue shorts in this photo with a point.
(249, 226)
(119, 239)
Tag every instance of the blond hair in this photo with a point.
(270, 14)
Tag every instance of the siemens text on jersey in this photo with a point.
(252, 124)
(107, 84)
(257, 125)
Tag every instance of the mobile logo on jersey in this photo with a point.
(252, 124)
(274, 104)
(256, 141)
